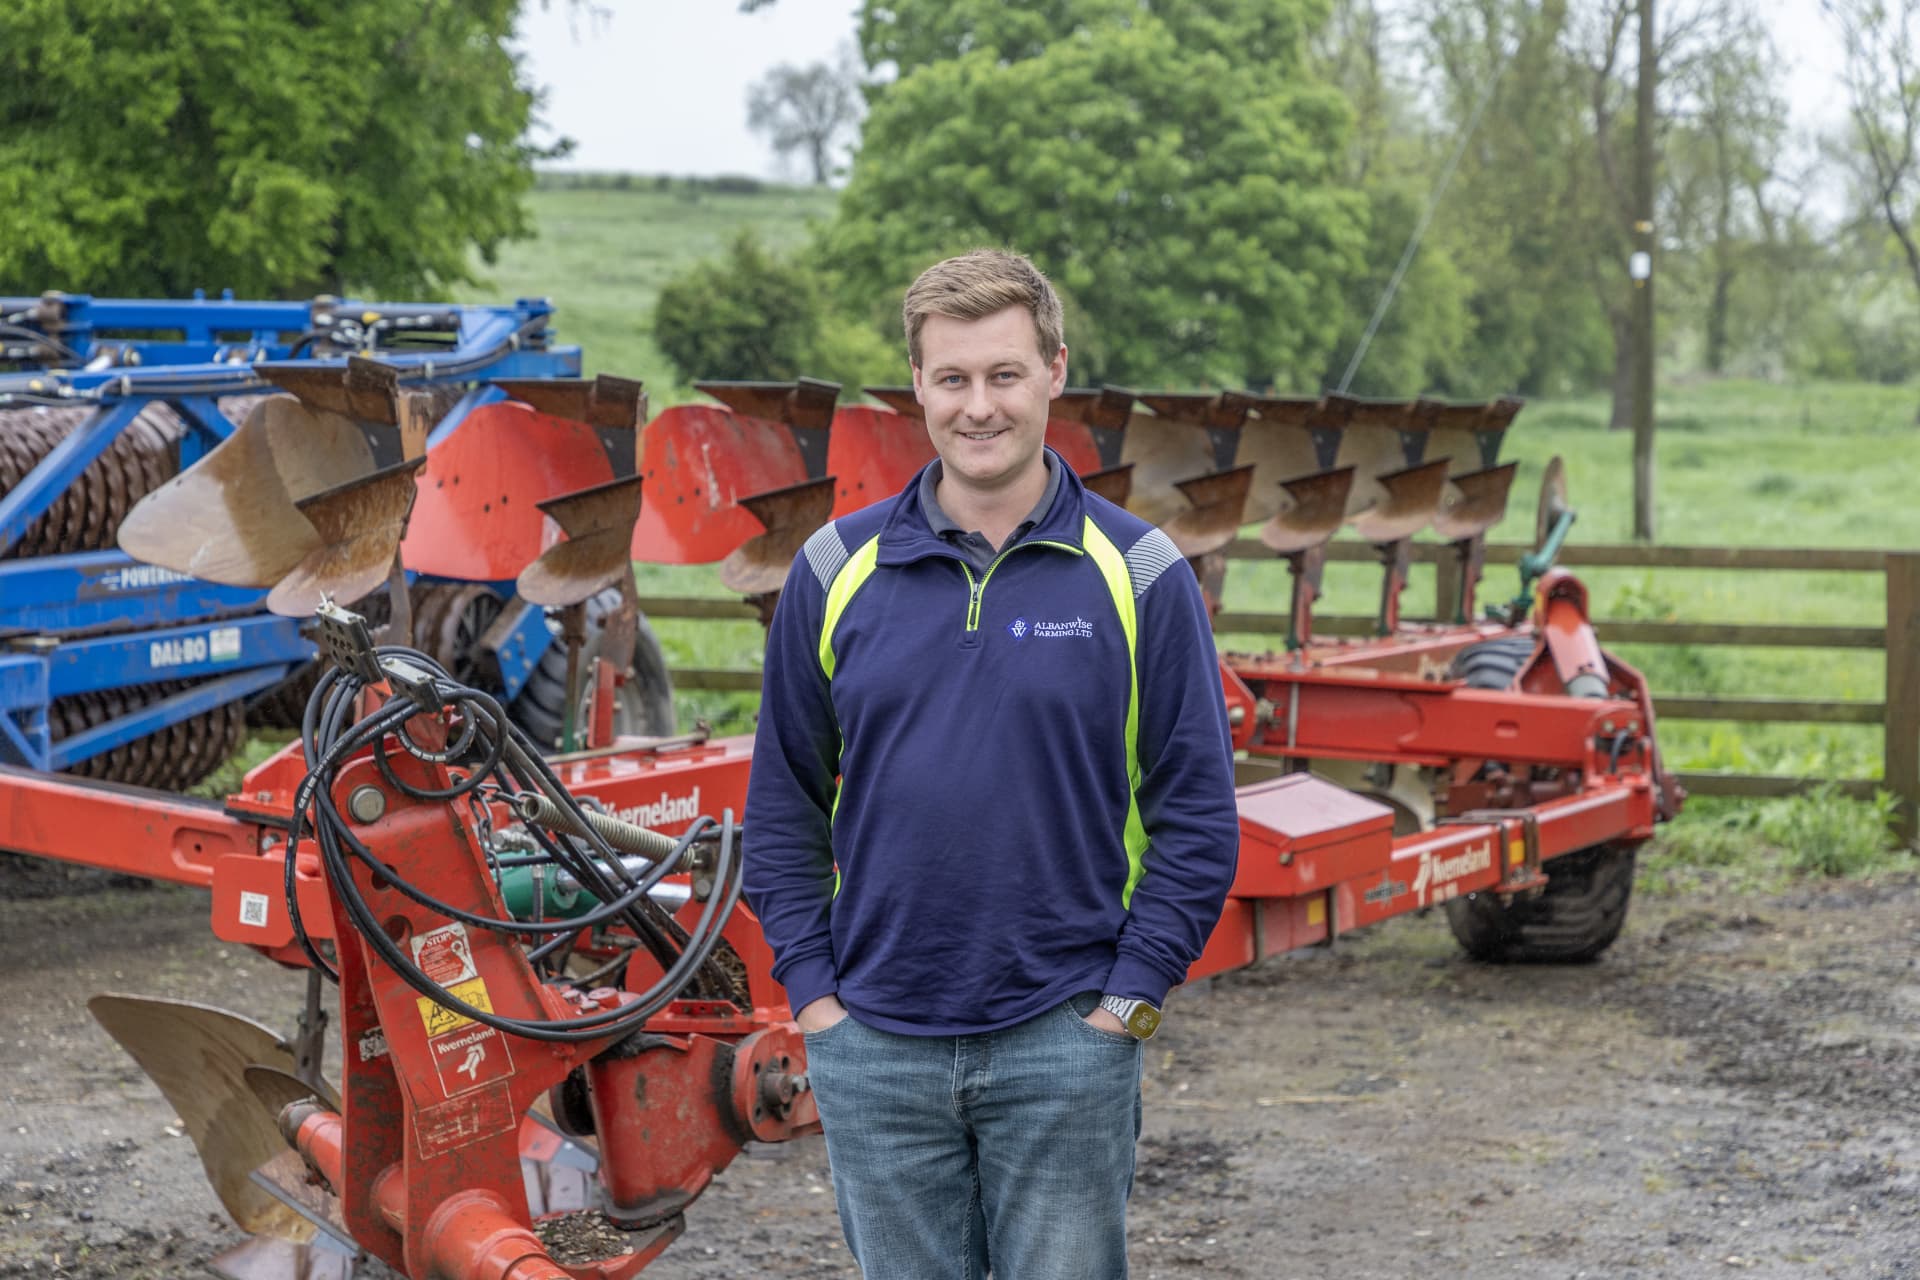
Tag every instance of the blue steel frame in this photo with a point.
(524, 645)
(191, 353)
(493, 342)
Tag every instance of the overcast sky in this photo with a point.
(660, 86)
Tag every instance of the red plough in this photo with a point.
(574, 1026)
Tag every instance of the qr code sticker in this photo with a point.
(253, 909)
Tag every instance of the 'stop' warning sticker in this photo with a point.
(443, 954)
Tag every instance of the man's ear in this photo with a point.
(1057, 372)
(917, 397)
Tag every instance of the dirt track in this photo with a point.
(1735, 1088)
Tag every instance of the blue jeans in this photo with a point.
(1011, 1150)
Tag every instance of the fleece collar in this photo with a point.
(908, 534)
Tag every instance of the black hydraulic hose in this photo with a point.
(505, 759)
(35, 336)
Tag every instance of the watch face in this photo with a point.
(1144, 1020)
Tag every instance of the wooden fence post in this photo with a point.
(1446, 585)
(1903, 688)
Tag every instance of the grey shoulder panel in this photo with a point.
(1148, 558)
(826, 553)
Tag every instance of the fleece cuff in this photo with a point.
(807, 980)
(1136, 980)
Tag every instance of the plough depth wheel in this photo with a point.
(1575, 918)
(1584, 904)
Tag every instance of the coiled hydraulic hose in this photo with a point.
(488, 751)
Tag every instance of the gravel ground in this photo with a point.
(1734, 1088)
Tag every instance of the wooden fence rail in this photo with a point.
(1898, 639)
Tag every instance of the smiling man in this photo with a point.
(991, 818)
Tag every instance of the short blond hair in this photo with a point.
(978, 284)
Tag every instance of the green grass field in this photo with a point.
(602, 254)
(1740, 463)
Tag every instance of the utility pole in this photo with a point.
(1641, 268)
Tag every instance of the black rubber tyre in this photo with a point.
(1575, 918)
(644, 703)
(1492, 664)
(1580, 912)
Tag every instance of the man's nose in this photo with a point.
(979, 406)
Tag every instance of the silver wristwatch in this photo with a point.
(1139, 1018)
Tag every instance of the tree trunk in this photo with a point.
(1645, 161)
(1621, 418)
(1717, 321)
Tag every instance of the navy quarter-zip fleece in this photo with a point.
(964, 772)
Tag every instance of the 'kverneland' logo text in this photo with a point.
(664, 811)
(1434, 883)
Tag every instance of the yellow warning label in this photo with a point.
(438, 1019)
(1516, 852)
(1317, 911)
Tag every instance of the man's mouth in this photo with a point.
(983, 435)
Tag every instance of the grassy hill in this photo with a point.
(602, 253)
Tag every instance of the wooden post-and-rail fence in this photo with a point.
(1899, 639)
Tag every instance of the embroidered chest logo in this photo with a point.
(1075, 628)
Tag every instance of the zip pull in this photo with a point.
(975, 589)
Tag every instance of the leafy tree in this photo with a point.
(1520, 212)
(1262, 38)
(755, 314)
(1883, 97)
(807, 110)
(1727, 209)
(1183, 193)
(1542, 207)
(280, 150)
(1423, 339)
(1392, 156)
(749, 314)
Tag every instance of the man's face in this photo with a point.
(985, 388)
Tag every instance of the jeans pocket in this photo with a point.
(824, 1034)
(1113, 1039)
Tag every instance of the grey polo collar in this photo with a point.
(971, 543)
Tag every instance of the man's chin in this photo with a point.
(984, 475)
(988, 467)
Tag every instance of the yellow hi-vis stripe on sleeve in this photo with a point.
(1113, 568)
(852, 576)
